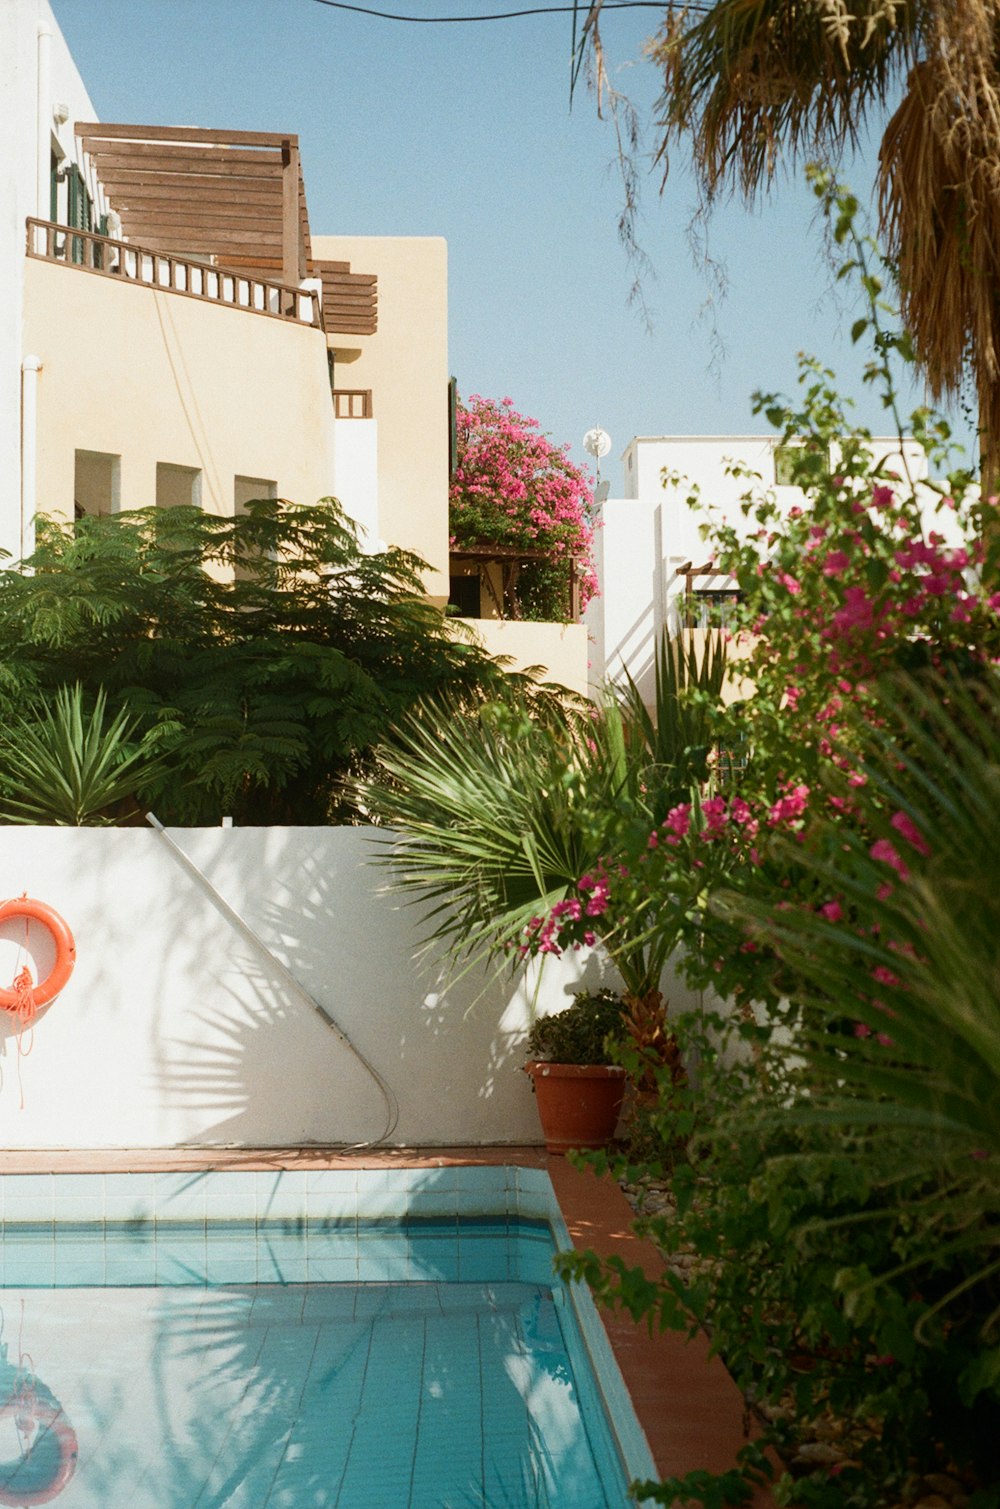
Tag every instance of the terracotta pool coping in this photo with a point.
(690, 1409)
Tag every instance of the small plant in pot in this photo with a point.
(579, 1091)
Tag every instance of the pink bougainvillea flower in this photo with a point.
(832, 911)
(886, 853)
(789, 807)
(905, 826)
(678, 819)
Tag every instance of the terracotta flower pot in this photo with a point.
(578, 1104)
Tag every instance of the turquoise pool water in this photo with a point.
(171, 1360)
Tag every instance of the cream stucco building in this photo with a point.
(173, 332)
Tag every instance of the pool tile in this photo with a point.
(385, 1203)
(129, 1208)
(275, 1269)
(282, 1194)
(327, 1204)
(129, 1184)
(439, 1203)
(479, 1260)
(180, 1197)
(326, 1179)
(36, 1206)
(533, 1180)
(491, 1179)
(325, 1270)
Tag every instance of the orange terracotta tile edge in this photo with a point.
(690, 1410)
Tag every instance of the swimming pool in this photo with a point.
(365, 1339)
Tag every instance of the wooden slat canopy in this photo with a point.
(350, 299)
(237, 196)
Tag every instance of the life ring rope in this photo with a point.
(24, 996)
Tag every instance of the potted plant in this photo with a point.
(579, 1092)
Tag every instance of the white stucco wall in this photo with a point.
(175, 1030)
(648, 535)
(355, 477)
(20, 23)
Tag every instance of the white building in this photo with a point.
(649, 539)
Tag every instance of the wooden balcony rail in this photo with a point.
(183, 275)
(352, 403)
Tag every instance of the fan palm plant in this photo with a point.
(499, 815)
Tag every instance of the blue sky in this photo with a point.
(465, 131)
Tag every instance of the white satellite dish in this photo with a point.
(597, 442)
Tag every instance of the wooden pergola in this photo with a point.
(235, 197)
(510, 559)
(692, 573)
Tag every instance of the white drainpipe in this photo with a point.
(30, 368)
(44, 101)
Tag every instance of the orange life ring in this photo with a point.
(42, 1472)
(46, 990)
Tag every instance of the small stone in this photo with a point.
(942, 1482)
(827, 1430)
(818, 1454)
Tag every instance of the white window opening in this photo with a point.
(177, 486)
(97, 483)
(246, 489)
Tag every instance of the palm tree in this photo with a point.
(500, 810)
(759, 85)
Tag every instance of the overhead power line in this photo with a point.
(504, 15)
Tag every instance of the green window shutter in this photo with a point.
(53, 187)
(80, 209)
(452, 425)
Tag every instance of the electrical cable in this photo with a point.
(506, 15)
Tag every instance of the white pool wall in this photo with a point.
(175, 1030)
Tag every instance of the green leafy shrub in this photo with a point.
(267, 651)
(586, 1032)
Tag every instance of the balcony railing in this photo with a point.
(183, 275)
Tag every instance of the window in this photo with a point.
(245, 489)
(712, 609)
(463, 595)
(177, 486)
(96, 483)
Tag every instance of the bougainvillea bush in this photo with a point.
(840, 1182)
(513, 487)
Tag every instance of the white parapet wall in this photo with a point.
(175, 1029)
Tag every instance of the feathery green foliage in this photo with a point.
(269, 651)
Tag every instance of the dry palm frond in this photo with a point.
(939, 205)
(754, 77)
